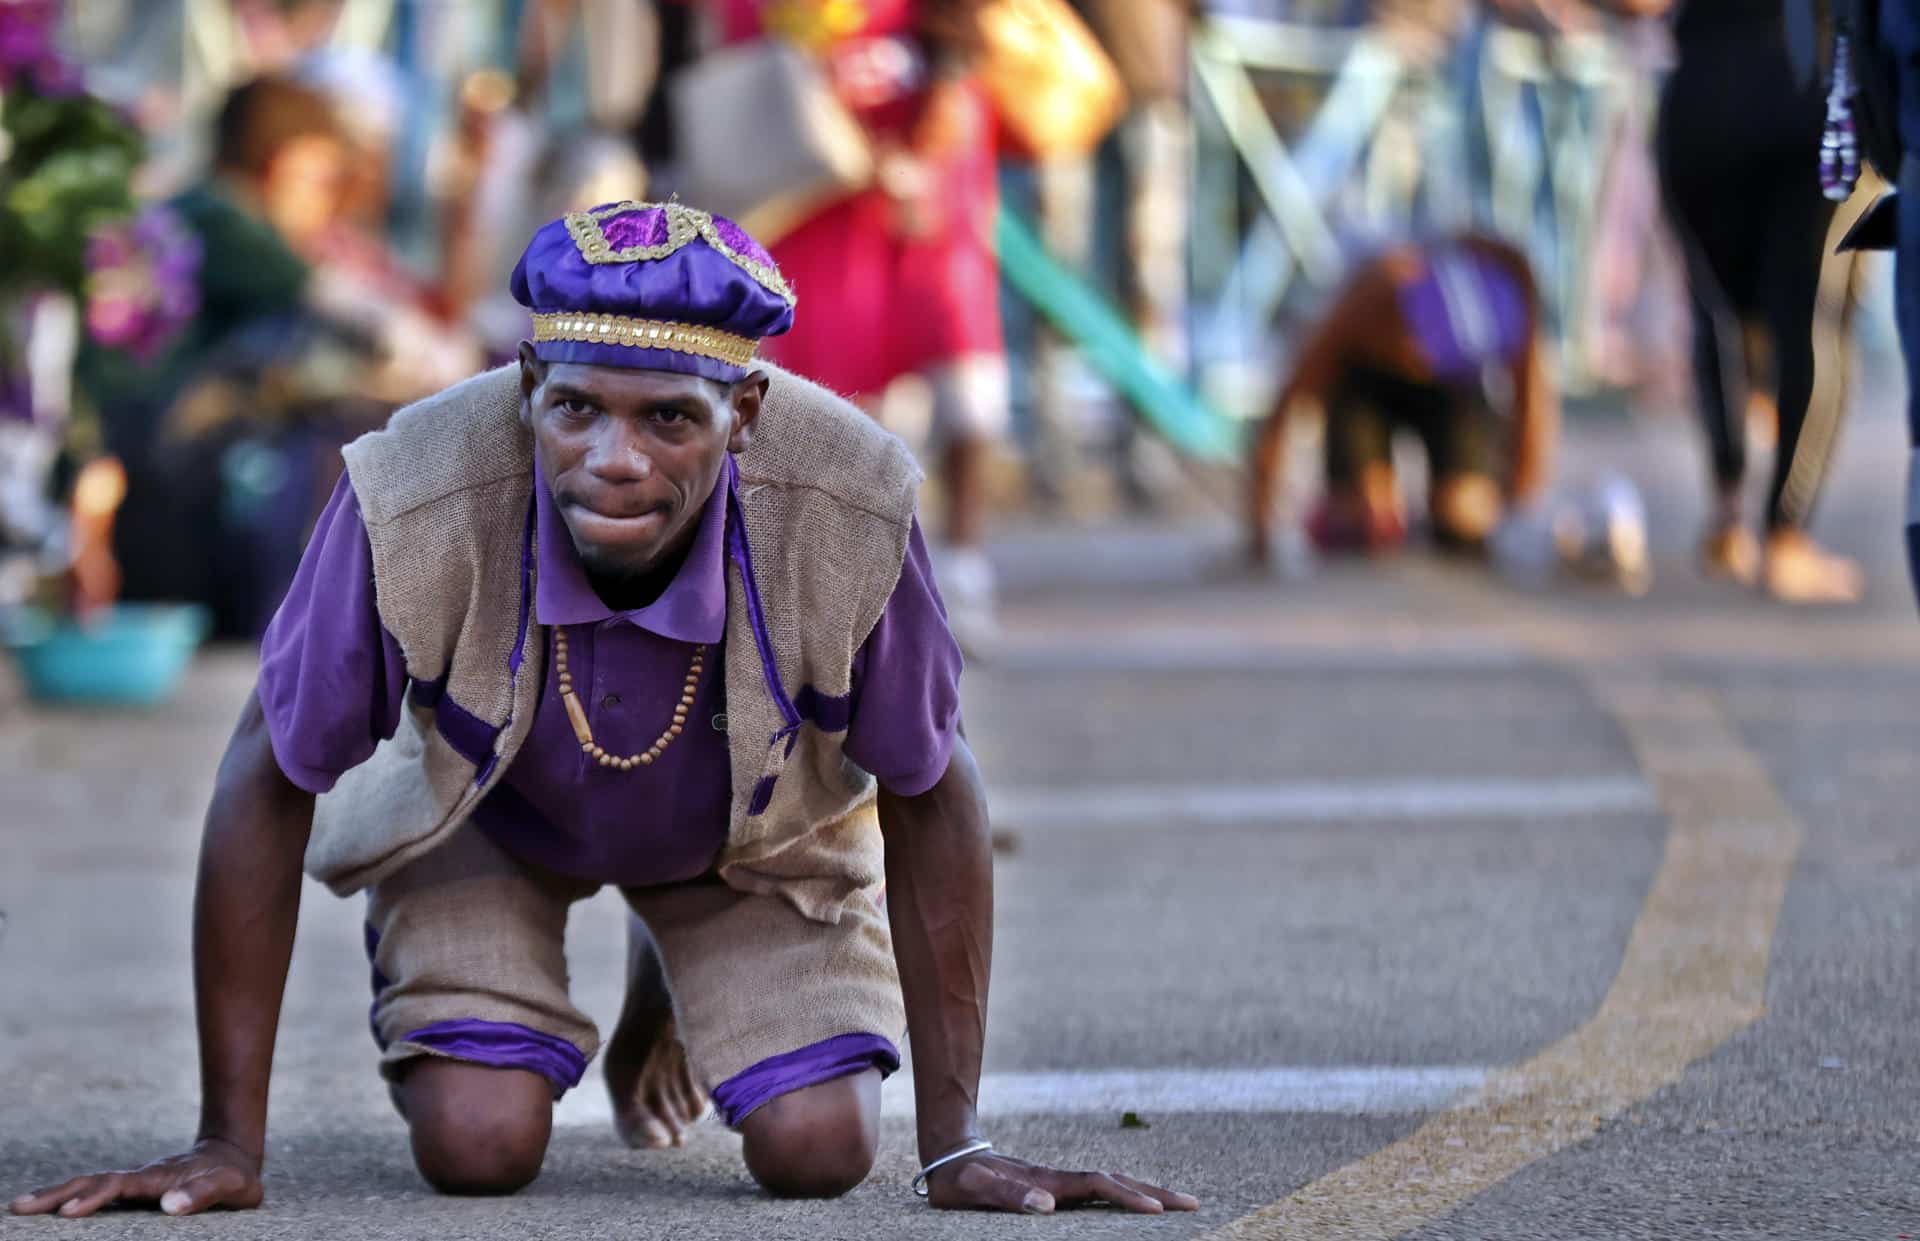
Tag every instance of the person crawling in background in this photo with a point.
(1440, 338)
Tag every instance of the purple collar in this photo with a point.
(693, 607)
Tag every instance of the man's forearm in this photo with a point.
(245, 909)
(940, 904)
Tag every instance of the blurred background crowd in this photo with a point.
(1071, 251)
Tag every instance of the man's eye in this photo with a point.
(669, 415)
(573, 408)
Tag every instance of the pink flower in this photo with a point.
(27, 50)
(142, 282)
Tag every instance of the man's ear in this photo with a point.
(533, 372)
(747, 397)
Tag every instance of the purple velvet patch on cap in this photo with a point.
(737, 240)
(637, 228)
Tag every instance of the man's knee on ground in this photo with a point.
(476, 1130)
(819, 1142)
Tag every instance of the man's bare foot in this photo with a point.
(1730, 551)
(1799, 570)
(655, 1098)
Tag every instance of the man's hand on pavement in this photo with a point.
(214, 1173)
(990, 1182)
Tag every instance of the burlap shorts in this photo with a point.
(469, 962)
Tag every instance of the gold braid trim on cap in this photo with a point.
(584, 228)
(684, 223)
(704, 342)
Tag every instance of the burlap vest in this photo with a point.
(815, 542)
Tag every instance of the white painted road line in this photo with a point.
(1345, 1091)
(1154, 805)
(1205, 651)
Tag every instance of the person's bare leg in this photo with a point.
(965, 476)
(655, 1098)
(475, 1130)
(966, 575)
(1728, 549)
(819, 1142)
(1380, 496)
(1263, 486)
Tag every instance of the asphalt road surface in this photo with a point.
(1394, 900)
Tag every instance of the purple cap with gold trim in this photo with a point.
(651, 286)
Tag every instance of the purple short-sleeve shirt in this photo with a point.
(333, 683)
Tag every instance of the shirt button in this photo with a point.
(611, 700)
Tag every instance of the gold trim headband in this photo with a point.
(700, 341)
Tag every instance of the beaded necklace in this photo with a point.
(577, 714)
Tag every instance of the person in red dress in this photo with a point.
(901, 279)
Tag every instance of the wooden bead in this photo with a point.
(577, 714)
(577, 717)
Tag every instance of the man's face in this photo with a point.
(630, 457)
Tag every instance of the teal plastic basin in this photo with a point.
(133, 655)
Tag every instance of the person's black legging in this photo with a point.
(1739, 167)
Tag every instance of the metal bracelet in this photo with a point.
(971, 1148)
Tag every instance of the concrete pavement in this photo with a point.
(1380, 838)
